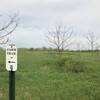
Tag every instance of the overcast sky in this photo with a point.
(37, 16)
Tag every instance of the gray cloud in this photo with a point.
(36, 16)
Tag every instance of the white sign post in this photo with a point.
(11, 66)
(11, 57)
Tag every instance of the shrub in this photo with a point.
(61, 61)
(31, 49)
(70, 64)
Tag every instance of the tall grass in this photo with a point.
(39, 77)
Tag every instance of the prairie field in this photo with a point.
(44, 75)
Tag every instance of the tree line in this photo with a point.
(59, 38)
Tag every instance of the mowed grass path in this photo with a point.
(39, 78)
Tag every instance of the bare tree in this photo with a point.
(7, 28)
(60, 37)
(97, 46)
(92, 40)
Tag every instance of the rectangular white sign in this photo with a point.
(11, 57)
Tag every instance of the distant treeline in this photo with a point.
(54, 49)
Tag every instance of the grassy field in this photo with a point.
(40, 78)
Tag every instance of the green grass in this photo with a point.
(39, 78)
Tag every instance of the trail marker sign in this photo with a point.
(11, 57)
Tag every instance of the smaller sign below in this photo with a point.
(11, 57)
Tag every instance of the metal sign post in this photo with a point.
(11, 85)
(11, 66)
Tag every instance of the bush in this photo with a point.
(61, 61)
(70, 64)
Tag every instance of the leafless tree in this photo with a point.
(7, 28)
(60, 37)
(97, 46)
(92, 40)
